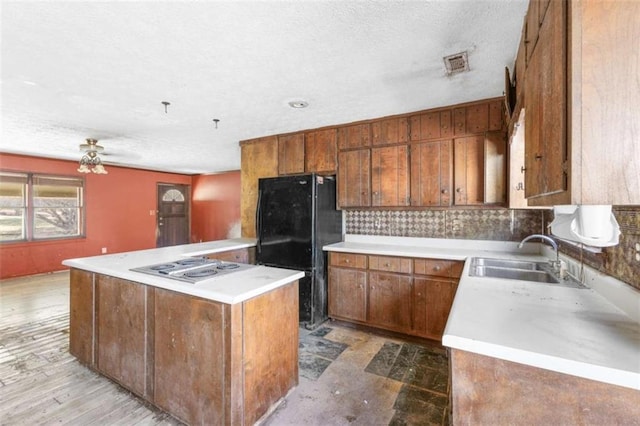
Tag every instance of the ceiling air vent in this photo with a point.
(456, 63)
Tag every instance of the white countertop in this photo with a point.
(228, 288)
(568, 330)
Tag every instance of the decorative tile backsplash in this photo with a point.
(478, 224)
(503, 225)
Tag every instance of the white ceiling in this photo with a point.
(75, 70)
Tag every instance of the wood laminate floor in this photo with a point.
(347, 377)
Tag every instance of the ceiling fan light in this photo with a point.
(99, 169)
(84, 169)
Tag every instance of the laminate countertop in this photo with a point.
(576, 331)
(230, 288)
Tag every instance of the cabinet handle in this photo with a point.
(386, 265)
(346, 261)
(538, 157)
(459, 190)
(445, 191)
(522, 169)
(437, 268)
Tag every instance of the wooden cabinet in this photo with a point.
(354, 178)
(477, 118)
(431, 125)
(390, 176)
(407, 295)
(545, 105)
(354, 136)
(321, 149)
(390, 131)
(246, 255)
(122, 332)
(390, 301)
(469, 170)
(291, 154)
(434, 287)
(347, 286)
(431, 173)
(259, 158)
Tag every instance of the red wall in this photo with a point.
(117, 215)
(215, 206)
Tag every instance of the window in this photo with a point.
(40, 207)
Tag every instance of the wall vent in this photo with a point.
(456, 63)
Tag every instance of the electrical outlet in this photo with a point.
(637, 252)
(104, 250)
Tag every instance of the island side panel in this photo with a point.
(488, 390)
(234, 373)
(121, 331)
(81, 325)
(190, 357)
(270, 349)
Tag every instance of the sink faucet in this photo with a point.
(554, 264)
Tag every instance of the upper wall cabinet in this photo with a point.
(431, 125)
(291, 154)
(354, 136)
(321, 151)
(582, 104)
(390, 131)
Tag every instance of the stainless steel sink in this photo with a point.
(521, 270)
(513, 274)
(505, 263)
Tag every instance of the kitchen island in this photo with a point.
(219, 351)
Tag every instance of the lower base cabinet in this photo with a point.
(407, 295)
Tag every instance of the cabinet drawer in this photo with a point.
(438, 267)
(390, 264)
(348, 260)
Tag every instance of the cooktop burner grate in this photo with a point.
(193, 270)
(199, 273)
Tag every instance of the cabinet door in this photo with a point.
(121, 331)
(259, 158)
(532, 27)
(478, 118)
(469, 170)
(390, 301)
(291, 154)
(354, 178)
(495, 115)
(355, 136)
(347, 293)
(459, 121)
(433, 298)
(321, 149)
(431, 173)
(390, 131)
(431, 125)
(190, 332)
(390, 176)
(546, 151)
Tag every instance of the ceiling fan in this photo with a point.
(90, 161)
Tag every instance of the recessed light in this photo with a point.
(298, 104)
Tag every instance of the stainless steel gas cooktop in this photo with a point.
(193, 269)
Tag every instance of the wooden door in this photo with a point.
(390, 301)
(321, 149)
(431, 173)
(390, 176)
(354, 178)
(291, 154)
(122, 331)
(347, 293)
(172, 219)
(469, 170)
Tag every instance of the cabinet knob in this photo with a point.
(386, 265)
(346, 261)
(437, 268)
(445, 191)
(459, 190)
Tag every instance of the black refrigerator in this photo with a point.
(295, 217)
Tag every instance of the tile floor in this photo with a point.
(352, 377)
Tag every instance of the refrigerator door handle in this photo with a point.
(258, 222)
